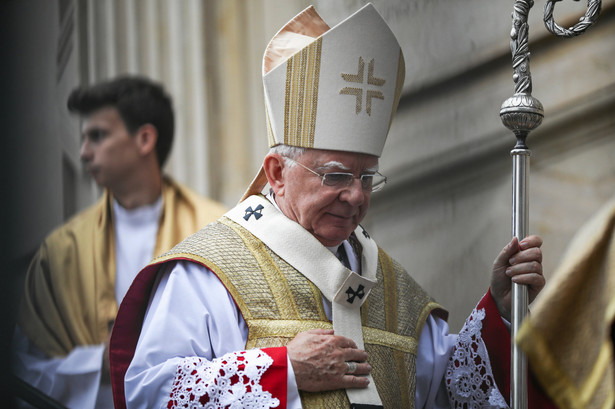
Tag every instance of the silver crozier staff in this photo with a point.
(523, 113)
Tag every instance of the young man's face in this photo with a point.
(108, 150)
(330, 214)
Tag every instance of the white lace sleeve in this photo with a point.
(469, 377)
(232, 381)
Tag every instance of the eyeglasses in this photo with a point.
(339, 180)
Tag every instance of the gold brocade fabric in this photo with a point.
(69, 297)
(278, 302)
(567, 338)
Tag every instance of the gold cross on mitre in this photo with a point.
(359, 77)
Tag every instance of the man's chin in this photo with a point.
(331, 239)
(98, 179)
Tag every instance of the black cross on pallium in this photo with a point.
(366, 234)
(258, 212)
(352, 294)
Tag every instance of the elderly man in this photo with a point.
(287, 301)
(82, 270)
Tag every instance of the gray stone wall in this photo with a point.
(447, 211)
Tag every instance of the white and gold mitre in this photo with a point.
(333, 88)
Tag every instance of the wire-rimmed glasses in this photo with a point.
(340, 180)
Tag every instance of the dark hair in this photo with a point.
(138, 100)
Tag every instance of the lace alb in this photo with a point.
(231, 381)
(469, 377)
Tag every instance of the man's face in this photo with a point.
(331, 214)
(108, 150)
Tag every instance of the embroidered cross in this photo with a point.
(358, 92)
(365, 234)
(352, 294)
(258, 212)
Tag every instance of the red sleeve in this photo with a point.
(275, 378)
(497, 339)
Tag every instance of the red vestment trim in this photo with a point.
(497, 339)
(274, 379)
(126, 330)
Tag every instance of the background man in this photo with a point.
(83, 269)
(287, 301)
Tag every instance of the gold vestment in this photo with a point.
(69, 297)
(277, 302)
(567, 338)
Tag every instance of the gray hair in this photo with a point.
(287, 151)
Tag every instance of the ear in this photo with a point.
(146, 138)
(273, 165)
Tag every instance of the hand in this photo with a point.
(319, 361)
(519, 262)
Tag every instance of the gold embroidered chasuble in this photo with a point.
(567, 338)
(69, 297)
(277, 302)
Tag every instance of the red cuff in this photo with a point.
(275, 378)
(497, 340)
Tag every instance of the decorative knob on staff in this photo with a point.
(522, 113)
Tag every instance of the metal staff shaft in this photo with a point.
(520, 219)
(522, 113)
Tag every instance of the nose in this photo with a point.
(85, 152)
(354, 193)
